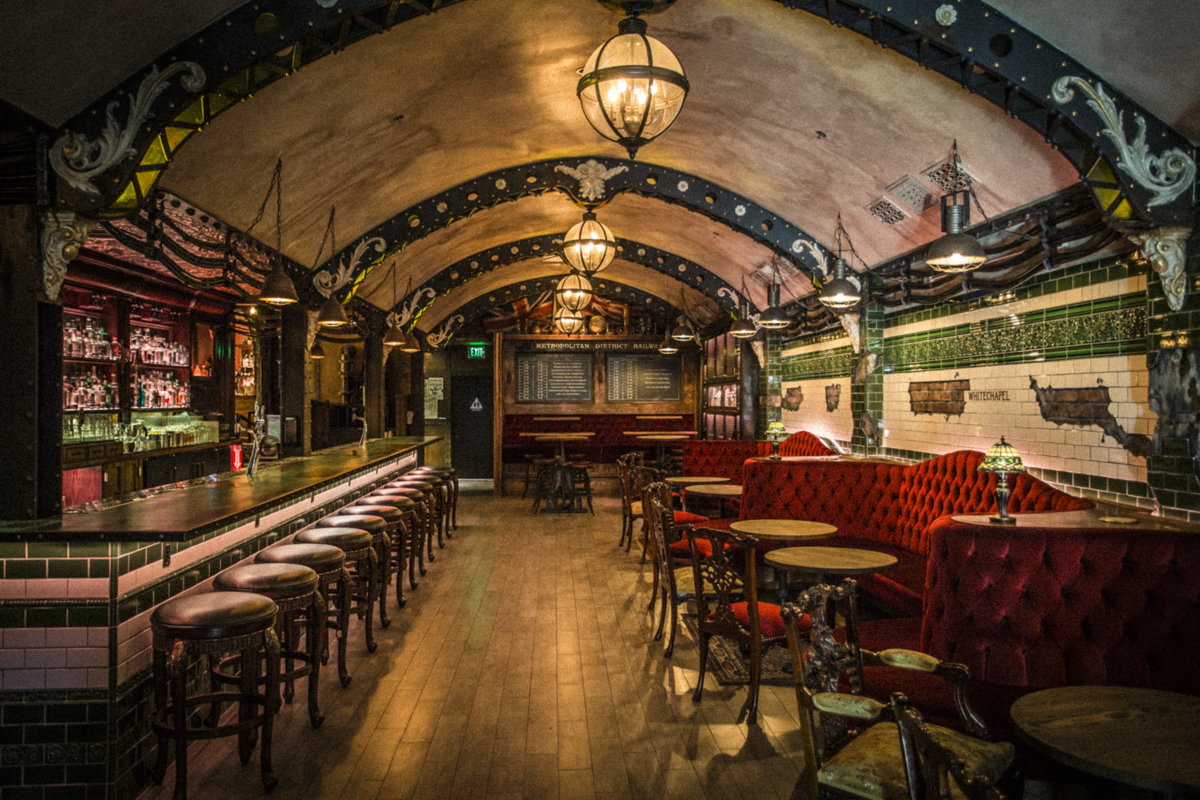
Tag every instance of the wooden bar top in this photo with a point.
(183, 514)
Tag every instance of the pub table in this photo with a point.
(562, 493)
(660, 442)
(721, 491)
(784, 530)
(820, 562)
(684, 481)
(1147, 738)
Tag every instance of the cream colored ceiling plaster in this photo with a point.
(686, 234)
(702, 308)
(490, 84)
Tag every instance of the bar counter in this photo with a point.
(180, 515)
(77, 593)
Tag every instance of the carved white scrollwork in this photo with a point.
(1167, 176)
(327, 283)
(806, 245)
(63, 234)
(444, 331)
(1166, 250)
(734, 298)
(78, 161)
(851, 323)
(408, 311)
(313, 329)
(591, 175)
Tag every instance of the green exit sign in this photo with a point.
(476, 351)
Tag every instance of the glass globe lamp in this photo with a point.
(589, 245)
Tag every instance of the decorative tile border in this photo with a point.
(837, 362)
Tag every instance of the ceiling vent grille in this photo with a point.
(912, 193)
(949, 179)
(764, 274)
(888, 212)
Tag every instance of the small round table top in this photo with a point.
(830, 560)
(1141, 737)
(664, 437)
(561, 437)
(784, 530)
(717, 490)
(695, 480)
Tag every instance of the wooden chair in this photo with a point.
(669, 577)
(727, 576)
(863, 758)
(625, 466)
(643, 477)
(933, 770)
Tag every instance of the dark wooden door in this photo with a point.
(471, 426)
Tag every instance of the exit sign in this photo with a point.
(476, 351)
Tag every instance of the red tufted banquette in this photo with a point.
(803, 443)
(888, 507)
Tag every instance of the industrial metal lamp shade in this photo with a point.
(410, 344)
(667, 347)
(589, 246)
(774, 317)
(1002, 459)
(317, 351)
(841, 292)
(574, 292)
(568, 321)
(332, 314)
(395, 336)
(743, 329)
(278, 289)
(632, 88)
(682, 333)
(956, 251)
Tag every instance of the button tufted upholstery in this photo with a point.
(803, 443)
(889, 507)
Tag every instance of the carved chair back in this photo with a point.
(930, 766)
(726, 577)
(643, 477)
(625, 465)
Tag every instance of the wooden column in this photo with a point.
(373, 381)
(293, 355)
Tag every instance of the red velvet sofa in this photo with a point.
(724, 458)
(1061, 599)
(888, 507)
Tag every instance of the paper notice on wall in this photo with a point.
(431, 408)
(434, 388)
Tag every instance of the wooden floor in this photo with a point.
(522, 667)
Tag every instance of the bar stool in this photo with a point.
(452, 474)
(444, 491)
(393, 554)
(408, 545)
(329, 563)
(359, 548)
(422, 512)
(532, 465)
(380, 540)
(293, 587)
(582, 484)
(432, 485)
(211, 624)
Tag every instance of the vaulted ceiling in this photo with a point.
(796, 119)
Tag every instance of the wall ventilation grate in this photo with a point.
(948, 178)
(912, 193)
(888, 212)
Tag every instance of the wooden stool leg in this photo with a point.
(454, 502)
(343, 623)
(162, 686)
(398, 552)
(383, 555)
(270, 707)
(251, 669)
(178, 673)
(287, 625)
(372, 571)
(315, 640)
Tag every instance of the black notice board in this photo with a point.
(554, 377)
(643, 378)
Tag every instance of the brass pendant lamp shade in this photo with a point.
(632, 88)
(956, 251)
(332, 314)
(410, 343)
(589, 245)
(395, 336)
(278, 289)
(841, 292)
(573, 292)
(743, 328)
(682, 333)
(316, 351)
(668, 347)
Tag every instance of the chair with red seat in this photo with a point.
(727, 605)
(664, 535)
(643, 477)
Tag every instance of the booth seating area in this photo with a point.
(609, 439)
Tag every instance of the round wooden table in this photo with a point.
(660, 443)
(784, 530)
(821, 561)
(562, 494)
(721, 491)
(695, 480)
(1141, 737)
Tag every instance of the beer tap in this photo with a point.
(259, 434)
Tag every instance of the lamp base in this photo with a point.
(1005, 520)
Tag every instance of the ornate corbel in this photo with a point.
(327, 282)
(78, 161)
(63, 233)
(852, 325)
(443, 332)
(1166, 250)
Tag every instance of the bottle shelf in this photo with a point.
(96, 361)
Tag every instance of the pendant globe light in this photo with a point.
(633, 86)
(568, 321)
(277, 289)
(589, 245)
(573, 292)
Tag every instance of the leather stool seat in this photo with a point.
(213, 615)
(415, 483)
(394, 519)
(398, 501)
(318, 557)
(345, 539)
(433, 485)
(284, 580)
(363, 507)
(293, 587)
(370, 524)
